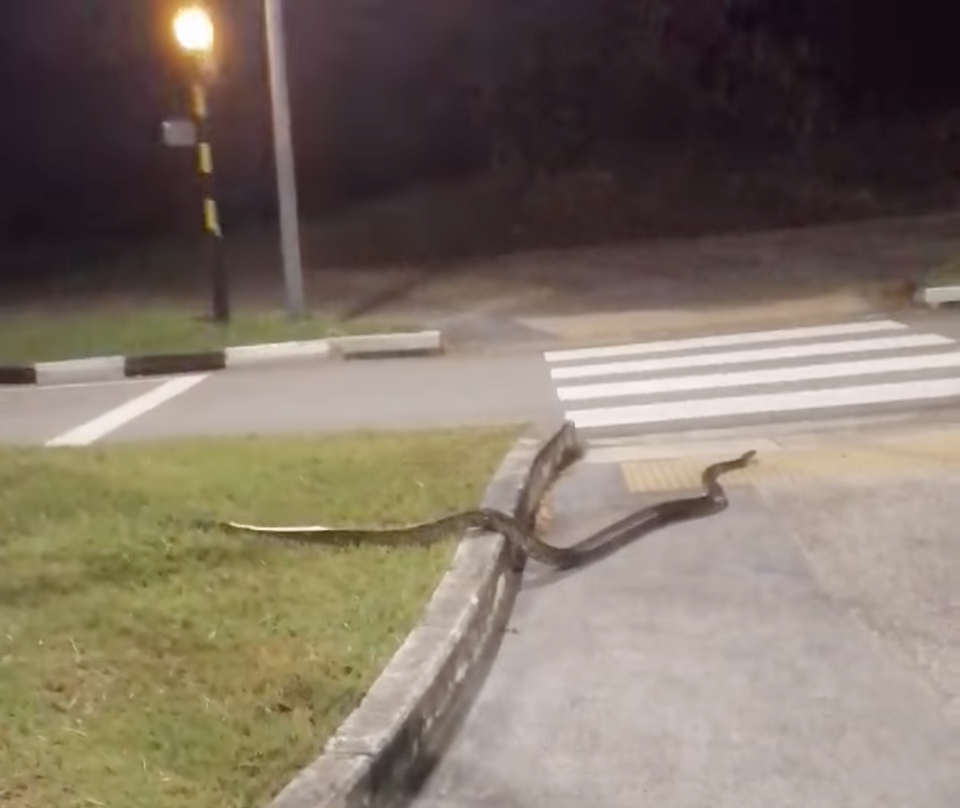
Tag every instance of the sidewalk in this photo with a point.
(801, 649)
(611, 292)
(675, 286)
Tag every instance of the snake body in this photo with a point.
(606, 541)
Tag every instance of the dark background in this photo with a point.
(390, 96)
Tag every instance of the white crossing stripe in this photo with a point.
(896, 368)
(725, 340)
(772, 402)
(707, 381)
(758, 355)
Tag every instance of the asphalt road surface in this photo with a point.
(300, 397)
(855, 369)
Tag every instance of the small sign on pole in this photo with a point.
(179, 133)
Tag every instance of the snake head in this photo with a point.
(748, 457)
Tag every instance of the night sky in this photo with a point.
(384, 94)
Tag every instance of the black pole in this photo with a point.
(219, 284)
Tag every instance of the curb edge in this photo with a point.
(386, 747)
(111, 368)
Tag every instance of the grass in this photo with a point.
(49, 337)
(145, 664)
(945, 274)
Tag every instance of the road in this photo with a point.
(860, 368)
(298, 397)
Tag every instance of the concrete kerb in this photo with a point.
(936, 296)
(112, 368)
(381, 752)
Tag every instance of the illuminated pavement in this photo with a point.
(802, 648)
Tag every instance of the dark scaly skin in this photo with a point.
(640, 523)
(594, 547)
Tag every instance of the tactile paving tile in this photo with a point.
(796, 466)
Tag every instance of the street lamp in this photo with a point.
(193, 29)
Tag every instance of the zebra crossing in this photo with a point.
(756, 376)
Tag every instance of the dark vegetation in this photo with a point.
(441, 129)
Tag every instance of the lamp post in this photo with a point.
(193, 29)
(283, 154)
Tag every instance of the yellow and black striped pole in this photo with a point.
(219, 288)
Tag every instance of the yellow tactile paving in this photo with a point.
(790, 466)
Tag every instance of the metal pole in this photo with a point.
(283, 150)
(219, 288)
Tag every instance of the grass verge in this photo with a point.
(47, 337)
(945, 274)
(145, 664)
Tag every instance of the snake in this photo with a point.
(521, 536)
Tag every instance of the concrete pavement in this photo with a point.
(800, 649)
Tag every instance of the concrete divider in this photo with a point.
(382, 751)
(383, 346)
(109, 368)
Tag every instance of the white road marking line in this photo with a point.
(758, 355)
(45, 388)
(112, 420)
(794, 401)
(723, 340)
(713, 381)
